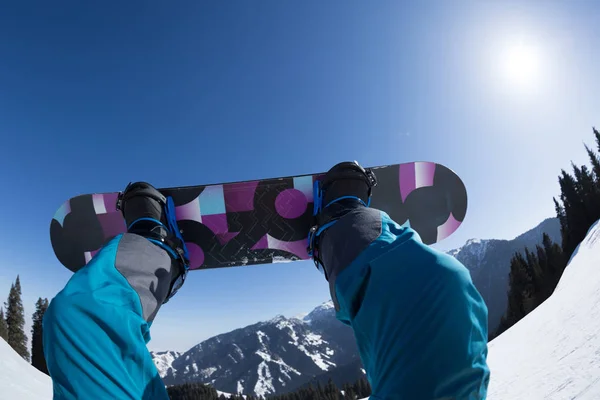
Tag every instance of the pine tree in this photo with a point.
(3, 327)
(312, 393)
(331, 391)
(556, 260)
(349, 392)
(15, 321)
(365, 388)
(545, 288)
(320, 391)
(595, 161)
(574, 210)
(361, 388)
(37, 347)
(580, 198)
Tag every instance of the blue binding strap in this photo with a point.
(174, 228)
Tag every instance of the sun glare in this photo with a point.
(520, 65)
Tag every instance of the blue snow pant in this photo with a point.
(420, 324)
(95, 330)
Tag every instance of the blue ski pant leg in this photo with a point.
(96, 329)
(419, 322)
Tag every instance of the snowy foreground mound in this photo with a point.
(554, 352)
(20, 380)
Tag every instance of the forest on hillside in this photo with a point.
(196, 391)
(534, 273)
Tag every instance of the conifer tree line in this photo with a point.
(198, 391)
(37, 347)
(12, 325)
(534, 274)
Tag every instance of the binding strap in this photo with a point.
(167, 237)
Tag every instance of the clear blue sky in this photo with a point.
(188, 92)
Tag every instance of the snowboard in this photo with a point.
(263, 221)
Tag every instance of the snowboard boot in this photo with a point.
(343, 188)
(148, 213)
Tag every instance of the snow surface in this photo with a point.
(476, 247)
(238, 351)
(264, 385)
(164, 361)
(228, 395)
(554, 352)
(318, 311)
(328, 305)
(310, 341)
(19, 379)
(313, 340)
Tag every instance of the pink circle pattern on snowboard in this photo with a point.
(291, 203)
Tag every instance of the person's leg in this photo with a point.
(96, 329)
(419, 322)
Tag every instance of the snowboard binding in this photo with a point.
(344, 187)
(150, 214)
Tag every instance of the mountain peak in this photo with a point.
(324, 310)
(473, 247)
(473, 241)
(325, 306)
(277, 318)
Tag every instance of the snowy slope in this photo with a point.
(164, 360)
(18, 379)
(554, 352)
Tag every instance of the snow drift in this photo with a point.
(19, 379)
(554, 352)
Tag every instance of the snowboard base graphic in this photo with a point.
(263, 221)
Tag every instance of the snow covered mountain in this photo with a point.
(269, 357)
(164, 360)
(553, 353)
(489, 263)
(19, 379)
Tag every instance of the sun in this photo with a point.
(520, 65)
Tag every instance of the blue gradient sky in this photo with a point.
(183, 93)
